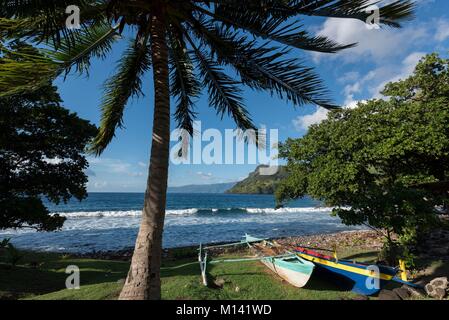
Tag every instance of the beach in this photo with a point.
(347, 242)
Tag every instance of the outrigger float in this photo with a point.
(287, 265)
(362, 278)
(296, 265)
(358, 277)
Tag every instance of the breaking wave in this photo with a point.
(191, 211)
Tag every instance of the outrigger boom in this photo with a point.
(288, 265)
(202, 254)
(296, 267)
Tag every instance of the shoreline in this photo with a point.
(357, 240)
(347, 242)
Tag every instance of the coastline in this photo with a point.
(345, 243)
(353, 241)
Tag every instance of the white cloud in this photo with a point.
(350, 90)
(119, 167)
(442, 32)
(114, 166)
(374, 44)
(401, 72)
(136, 174)
(142, 164)
(304, 122)
(353, 104)
(375, 80)
(100, 184)
(204, 175)
(349, 76)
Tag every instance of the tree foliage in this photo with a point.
(257, 183)
(375, 163)
(214, 45)
(41, 155)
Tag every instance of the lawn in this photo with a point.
(42, 276)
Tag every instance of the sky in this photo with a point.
(353, 75)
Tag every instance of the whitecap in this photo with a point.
(288, 210)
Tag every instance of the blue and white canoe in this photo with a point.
(287, 265)
(358, 277)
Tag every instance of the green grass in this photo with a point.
(41, 276)
(244, 280)
(27, 280)
(99, 280)
(101, 291)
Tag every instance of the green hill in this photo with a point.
(259, 184)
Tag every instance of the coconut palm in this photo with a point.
(215, 46)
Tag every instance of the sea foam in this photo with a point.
(190, 211)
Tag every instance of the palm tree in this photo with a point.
(191, 45)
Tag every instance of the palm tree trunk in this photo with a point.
(143, 281)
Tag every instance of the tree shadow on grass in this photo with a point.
(26, 280)
(432, 270)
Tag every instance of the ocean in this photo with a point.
(110, 221)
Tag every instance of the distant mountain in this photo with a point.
(259, 184)
(202, 188)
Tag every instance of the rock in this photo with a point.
(440, 293)
(429, 289)
(388, 295)
(437, 288)
(360, 298)
(237, 289)
(220, 282)
(121, 281)
(440, 282)
(414, 292)
(403, 293)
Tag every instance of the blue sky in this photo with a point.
(353, 75)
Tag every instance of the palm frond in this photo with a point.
(184, 85)
(22, 68)
(224, 92)
(45, 20)
(392, 14)
(126, 83)
(27, 68)
(276, 29)
(289, 79)
(13, 28)
(28, 8)
(264, 67)
(86, 44)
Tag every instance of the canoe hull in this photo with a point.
(354, 282)
(297, 273)
(357, 277)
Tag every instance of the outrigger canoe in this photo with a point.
(293, 269)
(359, 277)
(287, 265)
